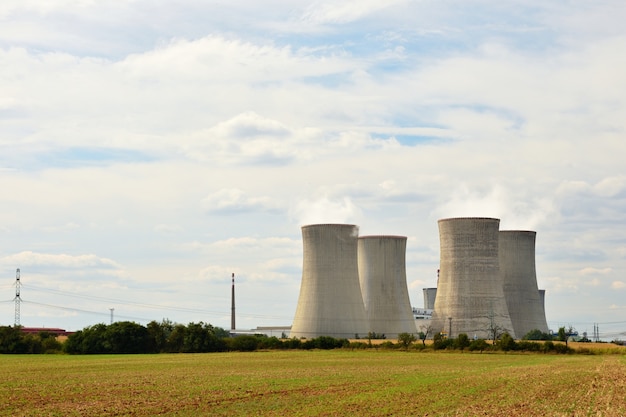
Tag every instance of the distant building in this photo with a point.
(52, 330)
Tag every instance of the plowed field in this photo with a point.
(314, 383)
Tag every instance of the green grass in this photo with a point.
(313, 383)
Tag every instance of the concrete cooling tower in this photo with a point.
(429, 297)
(330, 301)
(542, 298)
(470, 296)
(517, 267)
(382, 273)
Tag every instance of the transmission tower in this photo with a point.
(18, 299)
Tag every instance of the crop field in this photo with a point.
(314, 383)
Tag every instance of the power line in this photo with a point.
(125, 302)
(148, 305)
(84, 311)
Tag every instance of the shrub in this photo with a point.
(244, 343)
(462, 341)
(269, 343)
(537, 334)
(405, 339)
(548, 346)
(478, 344)
(388, 345)
(440, 342)
(527, 346)
(507, 343)
(293, 343)
(327, 342)
(560, 348)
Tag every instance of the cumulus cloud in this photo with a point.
(29, 258)
(618, 285)
(66, 227)
(167, 228)
(344, 11)
(325, 210)
(280, 243)
(611, 186)
(595, 271)
(248, 125)
(561, 285)
(234, 200)
(499, 200)
(249, 138)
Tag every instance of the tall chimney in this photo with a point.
(232, 306)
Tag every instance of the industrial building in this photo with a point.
(382, 274)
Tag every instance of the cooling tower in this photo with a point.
(542, 301)
(382, 273)
(330, 301)
(470, 297)
(429, 297)
(517, 267)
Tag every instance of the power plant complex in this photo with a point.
(356, 286)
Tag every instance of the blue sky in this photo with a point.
(148, 150)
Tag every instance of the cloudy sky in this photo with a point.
(150, 149)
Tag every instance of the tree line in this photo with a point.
(127, 337)
(156, 337)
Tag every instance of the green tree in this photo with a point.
(441, 342)
(49, 342)
(507, 342)
(127, 337)
(11, 340)
(536, 334)
(478, 344)
(462, 341)
(406, 339)
(424, 333)
(176, 339)
(160, 333)
(93, 339)
(200, 337)
(565, 333)
(244, 343)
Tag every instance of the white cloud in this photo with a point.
(595, 271)
(561, 285)
(66, 227)
(344, 11)
(167, 228)
(235, 200)
(29, 258)
(610, 187)
(323, 210)
(618, 285)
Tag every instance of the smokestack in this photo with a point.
(232, 306)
